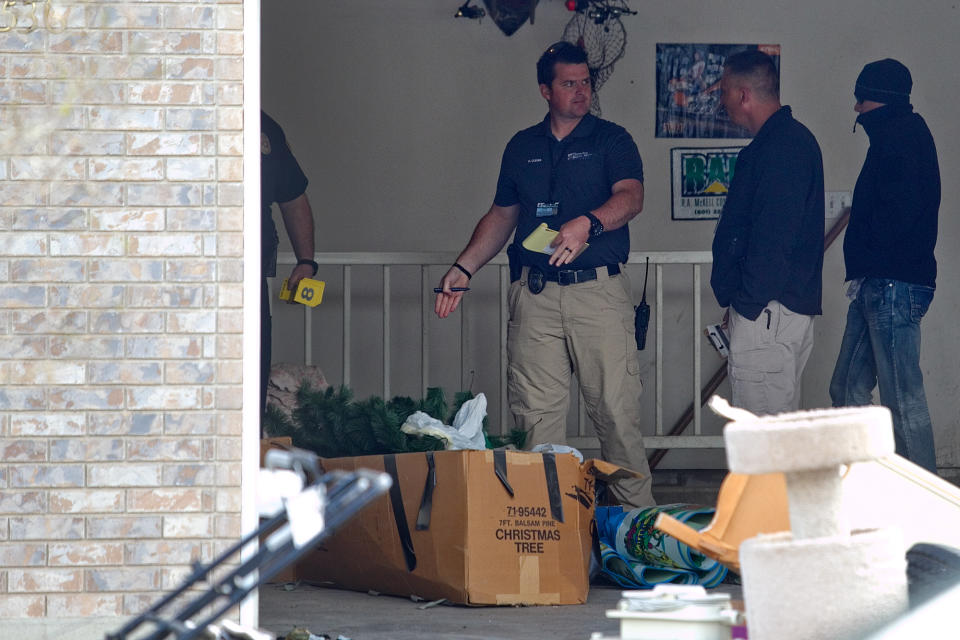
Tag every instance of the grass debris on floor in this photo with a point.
(302, 633)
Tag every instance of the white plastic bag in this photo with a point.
(467, 429)
(557, 448)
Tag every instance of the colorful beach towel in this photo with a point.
(634, 554)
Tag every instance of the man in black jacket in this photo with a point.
(768, 246)
(888, 250)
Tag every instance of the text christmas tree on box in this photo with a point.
(490, 527)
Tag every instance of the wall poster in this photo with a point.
(699, 181)
(688, 83)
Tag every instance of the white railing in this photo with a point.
(429, 275)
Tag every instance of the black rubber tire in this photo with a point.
(931, 570)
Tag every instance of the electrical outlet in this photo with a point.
(836, 202)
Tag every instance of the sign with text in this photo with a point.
(700, 179)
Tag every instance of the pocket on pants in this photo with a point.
(753, 365)
(746, 375)
(632, 355)
(513, 299)
(748, 335)
(920, 299)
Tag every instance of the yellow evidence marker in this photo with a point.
(309, 292)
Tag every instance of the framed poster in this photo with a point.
(699, 181)
(688, 83)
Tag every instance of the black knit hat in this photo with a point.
(886, 81)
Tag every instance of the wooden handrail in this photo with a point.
(721, 374)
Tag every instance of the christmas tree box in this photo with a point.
(489, 527)
(284, 442)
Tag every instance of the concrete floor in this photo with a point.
(359, 616)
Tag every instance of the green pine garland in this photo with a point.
(332, 424)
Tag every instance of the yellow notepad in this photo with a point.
(539, 240)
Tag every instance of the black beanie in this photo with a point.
(886, 81)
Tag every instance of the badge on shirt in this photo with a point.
(547, 209)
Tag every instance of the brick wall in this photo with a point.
(120, 300)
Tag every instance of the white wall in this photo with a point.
(399, 113)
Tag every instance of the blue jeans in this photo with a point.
(881, 345)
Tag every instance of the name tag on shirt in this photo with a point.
(547, 209)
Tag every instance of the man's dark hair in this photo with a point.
(756, 67)
(565, 52)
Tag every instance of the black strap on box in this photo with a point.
(399, 515)
(500, 468)
(426, 502)
(553, 486)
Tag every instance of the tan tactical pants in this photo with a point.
(767, 357)
(587, 329)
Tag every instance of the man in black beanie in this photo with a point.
(888, 251)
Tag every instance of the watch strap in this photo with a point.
(596, 227)
(312, 263)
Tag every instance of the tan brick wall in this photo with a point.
(121, 242)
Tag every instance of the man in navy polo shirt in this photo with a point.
(570, 307)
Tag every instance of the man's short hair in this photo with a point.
(565, 52)
(758, 69)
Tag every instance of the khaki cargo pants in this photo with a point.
(767, 357)
(587, 329)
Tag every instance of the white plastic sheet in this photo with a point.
(466, 431)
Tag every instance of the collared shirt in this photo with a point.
(578, 172)
(768, 243)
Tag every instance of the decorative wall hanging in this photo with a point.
(510, 15)
(596, 28)
(688, 83)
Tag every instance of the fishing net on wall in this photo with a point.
(596, 28)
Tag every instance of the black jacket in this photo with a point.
(769, 240)
(893, 218)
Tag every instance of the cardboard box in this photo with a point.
(280, 442)
(473, 527)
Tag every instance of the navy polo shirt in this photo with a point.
(578, 172)
(281, 180)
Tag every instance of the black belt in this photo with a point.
(564, 277)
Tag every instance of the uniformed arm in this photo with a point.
(298, 221)
(489, 236)
(625, 202)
